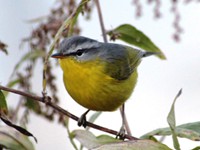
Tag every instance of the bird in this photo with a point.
(99, 76)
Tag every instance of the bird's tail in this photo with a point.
(146, 54)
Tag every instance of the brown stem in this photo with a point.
(101, 21)
(62, 111)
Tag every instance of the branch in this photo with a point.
(62, 111)
(101, 21)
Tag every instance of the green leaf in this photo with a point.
(133, 36)
(172, 122)
(105, 142)
(71, 136)
(190, 131)
(134, 145)
(157, 132)
(3, 104)
(93, 118)
(11, 84)
(33, 105)
(11, 139)
(196, 148)
(88, 140)
(194, 126)
(18, 128)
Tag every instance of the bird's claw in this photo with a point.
(121, 134)
(46, 99)
(82, 121)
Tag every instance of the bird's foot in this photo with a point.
(121, 134)
(82, 120)
(46, 99)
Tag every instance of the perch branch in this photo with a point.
(61, 110)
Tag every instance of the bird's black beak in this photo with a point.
(57, 55)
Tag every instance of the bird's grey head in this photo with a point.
(79, 47)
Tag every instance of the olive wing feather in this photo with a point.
(121, 61)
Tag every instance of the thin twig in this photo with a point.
(101, 21)
(62, 111)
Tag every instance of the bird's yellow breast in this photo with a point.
(90, 86)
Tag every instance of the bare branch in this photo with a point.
(101, 21)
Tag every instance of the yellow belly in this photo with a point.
(89, 86)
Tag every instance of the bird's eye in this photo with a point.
(79, 52)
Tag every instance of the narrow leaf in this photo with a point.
(88, 140)
(11, 139)
(190, 131)
(71, 136)
(196, 148)
(94, 117)
(33, 105)
(133, 36)
(11, 84)
(105, 142)
(92, 120)
(194, 126)
(18, 128)
(3, 104)
(134, 145)
(172, 122)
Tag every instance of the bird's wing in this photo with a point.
(122, 62)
